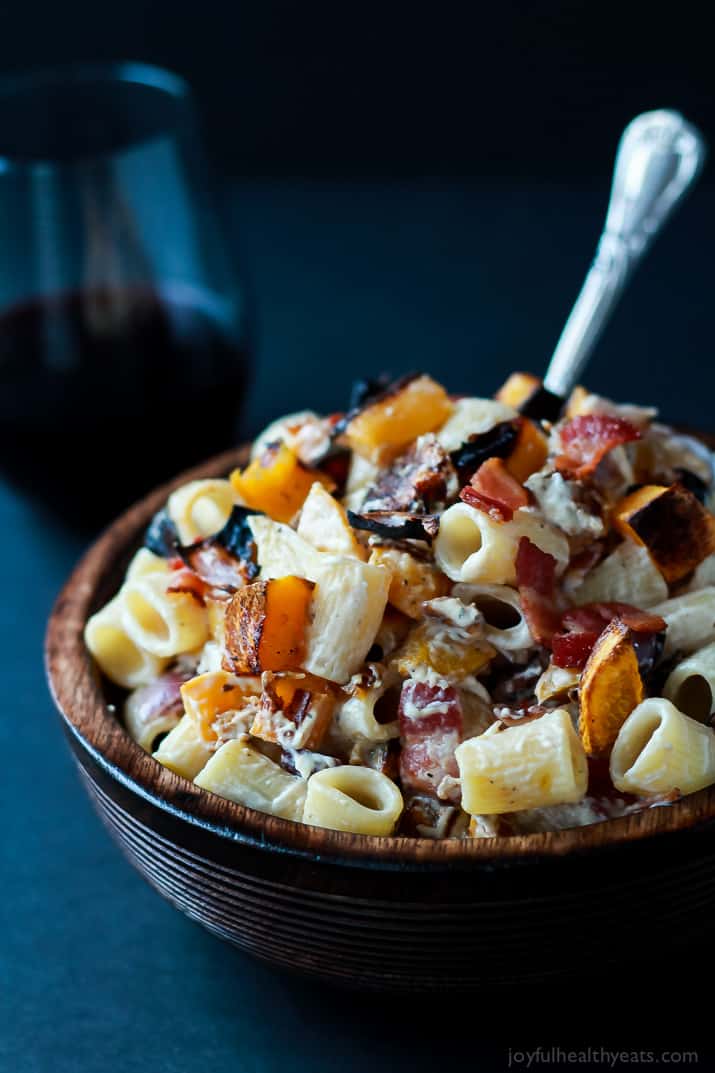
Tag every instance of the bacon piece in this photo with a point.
(493, 490)
(573, 649)
(431, 728)
(582, 626)
(417, 481)
(217, 567)
(588, 438)
(159, 698)
(185, 580)
(597, 616)
(536, 582)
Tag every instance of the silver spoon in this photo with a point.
(659, 157)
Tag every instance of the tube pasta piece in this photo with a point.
(471, 417)
(242, 774)
(200, 508)
(146, 562)
(280, 430)
(659, 749)
(123, 661)
(355, 718)
(281, 551)
(412, 580)
(361, 477)
(704, 575)
(266, 625)
(183, 750)
(505, 626)
(356, 799)
(690, 619)
(672, 524)
(628, 575)
(611, 687)
(527, 766)
(473, 548)
(348, 604)
(161, 622)
(324, 524)
(691, 685)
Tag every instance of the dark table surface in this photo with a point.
(97, 973)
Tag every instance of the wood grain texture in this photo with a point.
(392, 913)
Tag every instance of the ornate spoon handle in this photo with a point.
(658, 158)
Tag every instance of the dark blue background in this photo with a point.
(365, 263)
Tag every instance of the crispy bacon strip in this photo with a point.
(536, 582)
(494, 491)
(217, 567)
(588, 438)
(582, 626)
(185, 580)
(431, 728)
(160, 697)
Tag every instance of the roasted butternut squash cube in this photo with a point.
(295, 712)
(530, 451)
(672, 524)
(517, 389)
(266, 624)
(452, 659)
(209, 695)
(276, 483)
(385, 427)
(528, 395)
(611, 687)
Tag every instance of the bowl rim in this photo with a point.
(76, 689)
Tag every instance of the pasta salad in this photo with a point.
(432, 616)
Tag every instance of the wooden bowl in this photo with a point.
(384, 913)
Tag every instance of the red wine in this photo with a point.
(103, 394)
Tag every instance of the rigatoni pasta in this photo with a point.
(531, 766)
(691, 684)
(355, 799)
(431, 617)
(241, 773)
(200, 508)
(659, 750)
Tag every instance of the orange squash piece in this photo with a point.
(277, 483)
(518, 389)
(296, 710)
(671, 524)
(422, 649)
(530, 451)
(384, 428)
(265, 625)
(211, 694)
(611, 687)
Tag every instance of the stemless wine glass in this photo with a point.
(123, 334)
